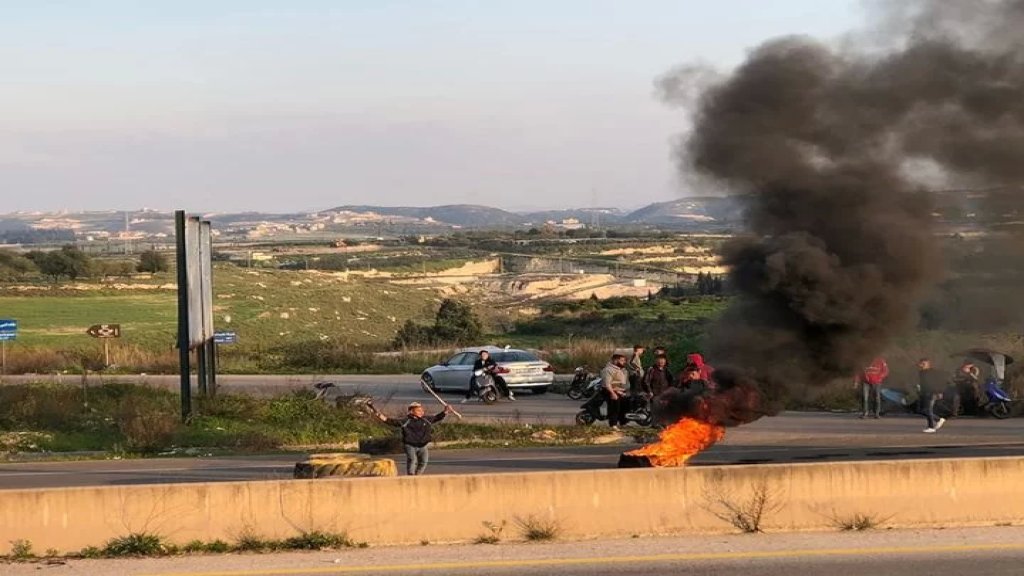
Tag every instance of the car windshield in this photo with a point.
(514, 356)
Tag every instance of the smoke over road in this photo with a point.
(833, 150)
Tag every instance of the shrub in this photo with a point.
(536, 529)
(317, 540)
(21, 550)
(137, 544)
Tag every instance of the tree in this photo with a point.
(68, 261)
(152, 261)
(454, 323)
(457, 323)
(14, 267)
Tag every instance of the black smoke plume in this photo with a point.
(834, 150)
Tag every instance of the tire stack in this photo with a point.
(345, 465)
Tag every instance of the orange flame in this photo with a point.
(680, 442)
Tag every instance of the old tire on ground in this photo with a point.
(347, 467)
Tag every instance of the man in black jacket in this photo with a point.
(932, 384)
(487, 364)
(416, 434)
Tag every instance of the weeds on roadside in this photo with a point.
(494, 533)
(857, 522)
(748, 515)
(21, 550)
(535, 529)
(137, 544)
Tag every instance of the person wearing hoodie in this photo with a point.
(870, 382)
(707, 372)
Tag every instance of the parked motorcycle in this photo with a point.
(998, 404)
(638, 411)
(580, 386)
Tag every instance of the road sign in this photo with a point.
(225, 337)
(104, 331)
(8, 332)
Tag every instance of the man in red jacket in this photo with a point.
(870, 380)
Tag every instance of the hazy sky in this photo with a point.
(294, 105)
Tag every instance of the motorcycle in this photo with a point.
(998, 404)
(996, 401)
(487, 389)
(580, 386)
(638, 410)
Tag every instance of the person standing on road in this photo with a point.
(658, 378)
(870, 382)
(614, 379)
(931, 384)
(416, 435)
(968, 389)
(635, 372)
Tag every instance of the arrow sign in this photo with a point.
(225, 337)
(104, 331)
(8, 326)
(7, 336)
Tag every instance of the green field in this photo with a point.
(147, 319)
(269, 309)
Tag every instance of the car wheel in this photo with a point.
(539, 389)
(429, 381)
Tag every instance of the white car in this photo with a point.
(518, 369)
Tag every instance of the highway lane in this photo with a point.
(790, 437)
(949, 552)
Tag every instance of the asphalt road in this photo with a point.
(790, 437)
(951, 552)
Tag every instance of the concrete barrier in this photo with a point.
(584, 504)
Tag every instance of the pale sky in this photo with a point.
(230, 105)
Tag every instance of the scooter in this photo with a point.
(998, 404)
(487, 389)
(579, 387)
(639, 410)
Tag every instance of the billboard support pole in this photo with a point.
(201, 369)
(183, 328)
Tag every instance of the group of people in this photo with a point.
(627, 384)
(933, 385)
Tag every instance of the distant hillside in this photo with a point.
(585, 215)
(699, 212)
(466, 215)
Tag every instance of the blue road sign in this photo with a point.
(225, 337)
(7, 336)
(8, 326)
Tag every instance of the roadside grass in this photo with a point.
(129, 419)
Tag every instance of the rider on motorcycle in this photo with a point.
(487, 364)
